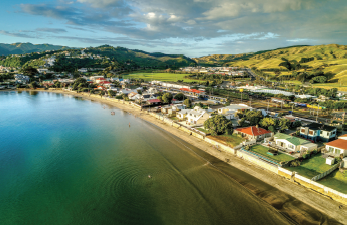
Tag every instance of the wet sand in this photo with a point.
(302, 205)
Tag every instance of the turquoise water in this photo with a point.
(65, 160)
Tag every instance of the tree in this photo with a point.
(29, 71)
(33, 85)
(267, 122)
(180, 96)
(297, 123)
(254, 117)
(80, 83)
(111, 93)
(187, 103)
(167, 98)
(218, 125)
(139, 92)
(283, 124)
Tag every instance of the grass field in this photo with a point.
(203, 130)
(159, 76)
(311, 167)
(232, 140)
(262, 150)
(335, 180)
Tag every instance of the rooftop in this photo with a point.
(339, 143)
(253, 130)
(318, 126)
(291, 139)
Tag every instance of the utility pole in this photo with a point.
(268, 102)
(317, 114)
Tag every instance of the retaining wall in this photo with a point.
(337, 196)
(257, 161)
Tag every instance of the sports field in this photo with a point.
(159, 76)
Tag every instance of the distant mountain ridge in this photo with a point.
(21, 48)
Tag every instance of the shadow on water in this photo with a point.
(291, 208)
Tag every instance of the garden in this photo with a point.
(262, 150)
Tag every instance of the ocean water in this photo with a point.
(66, 160)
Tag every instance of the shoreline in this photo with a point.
(315, 200)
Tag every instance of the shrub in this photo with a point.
(247, 147)
(295, 163)
(314, 151)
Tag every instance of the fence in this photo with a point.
(262, 157)
(326, 173)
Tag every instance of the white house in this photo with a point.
(230, 111)
(337, 147)
(21, 79)
(83, 70)
(198, 115)
(291, 143)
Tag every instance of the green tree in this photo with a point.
(33, 85)
(180, 96)
(254, 117)
(30, 71)
(283, 124)
(111, 93)
(218, 125)
(167, 97)
(267, 122)
(187, 103)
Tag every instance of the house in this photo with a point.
(153, 102)
(198, 115)
(182, 115)
(98, 80)
(337, 147)
(132, 94)
(253, 133)
(83, 70)
(291, 143)
(230, 111)
(21, 79)
(318, 132)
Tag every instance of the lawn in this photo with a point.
(262, 150)
(311, 167)
(232, 140)
(336, 180)
(203, 130)
(159, 76)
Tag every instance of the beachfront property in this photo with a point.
(290, 143)
(230, 111)
(198, 115)
(253, 133)
(337, 147)
(318, 132)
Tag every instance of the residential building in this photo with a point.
(21, 79)
(230, 111)
(337, 147)
(198, 115)
(83, 70)
(253, 133)
(182, 115)
(291, 143)
(318, 132)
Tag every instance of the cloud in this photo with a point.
(15, 34)
(52, 30)
(212, 22)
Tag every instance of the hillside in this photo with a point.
(330, 59)
(117, 57)
(21, 48)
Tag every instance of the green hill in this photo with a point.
(329, 59)
(21, 48)
(118, 58)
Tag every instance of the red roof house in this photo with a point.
(253, 132)
(154, 101)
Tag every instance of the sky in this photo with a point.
(192, 27)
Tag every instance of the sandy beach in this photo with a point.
(309, 197)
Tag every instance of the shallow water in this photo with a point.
(65, 160)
